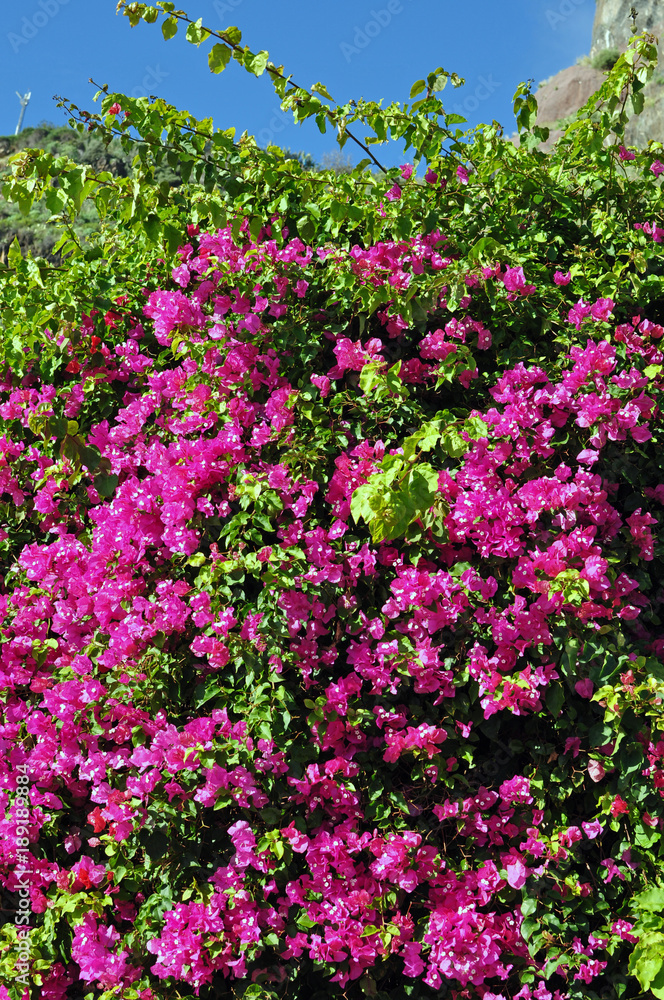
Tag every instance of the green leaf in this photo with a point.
(371, 376)
(365, 503)
(219, 57)
(319, 88)
(198, 559)
(486, 249)
(33, 272)
(476, 428)
(529, 926)
(651, 899)
(14, 255)
(453, 443)
(106, 485)
(647, 959)
(256, 62)
(574, 587)
(418, 87)
(389, 511)
(152, 227)
(657, 985)
(196, 33)
(393, 380)
(133, 14)
(169, 28)
(232, 35)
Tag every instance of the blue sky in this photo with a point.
(358, 48)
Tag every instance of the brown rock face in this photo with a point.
(570, 89)
(566, 92)
(611, 29)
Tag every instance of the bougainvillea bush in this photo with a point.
(332, 654)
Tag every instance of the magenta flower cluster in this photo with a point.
(96, 602)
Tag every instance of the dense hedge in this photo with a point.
(332, 658)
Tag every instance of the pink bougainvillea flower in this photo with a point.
(578, 313)
(413, 964)
(181, 275)
(593, 829)
(514, 280)
(170, 310)
(618, 807)
(584, 688)
(562, 279)
(394, 194)
(587, 457)
(322, 383)
(114, 109)
(517, 872)
(653, 230)
(626, 154)
(623, 928)
(596, 770)
(602, 309)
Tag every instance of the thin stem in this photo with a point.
(274, 72)
(98, 125)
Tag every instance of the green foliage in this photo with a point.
(605, 59)
(34, 225)
(405, 489)
(647, 960)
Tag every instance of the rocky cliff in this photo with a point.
(568, 90)
(613, 22)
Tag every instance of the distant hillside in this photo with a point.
(34, 232)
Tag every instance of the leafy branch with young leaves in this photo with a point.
(305, 103)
